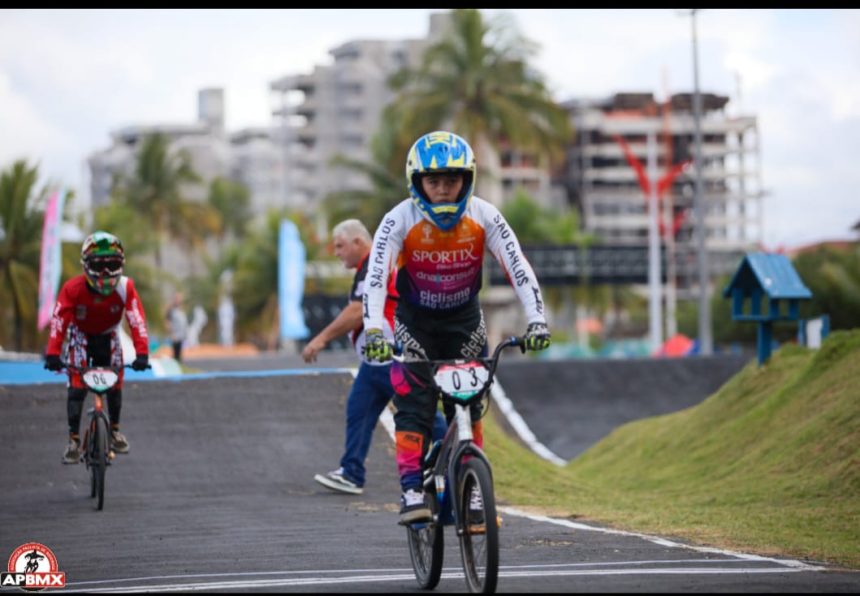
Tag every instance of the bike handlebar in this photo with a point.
(82, 369)
(510, 342)
(490, 362)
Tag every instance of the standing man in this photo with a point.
(177, 325)
(371, 390)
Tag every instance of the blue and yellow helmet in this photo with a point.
(441, 152)
(102, 257)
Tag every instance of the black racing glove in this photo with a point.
(141, 362)
(537, 337)
(53, 362)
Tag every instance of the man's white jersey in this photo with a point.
(439, 270)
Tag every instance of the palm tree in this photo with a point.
(255, 280)
(232, 201)
(155, 191)
(476, 82)
(21, 219)
(538, 225)
(833, 276)
(123, 221)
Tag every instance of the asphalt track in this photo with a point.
(217, 495)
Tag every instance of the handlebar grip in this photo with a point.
(517, 341)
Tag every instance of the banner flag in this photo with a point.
(291, 282)
(51, 263)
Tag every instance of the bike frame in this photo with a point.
(458, 441)
(457, 444)
(451, 470)
(98, 382)
(97, 411)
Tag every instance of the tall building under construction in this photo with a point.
(608, 164)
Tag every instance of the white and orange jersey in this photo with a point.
(440, 270)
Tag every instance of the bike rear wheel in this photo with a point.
(427, 546)
(479, 540)
(98, 459)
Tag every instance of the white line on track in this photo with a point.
(799, 565)
(318, 577)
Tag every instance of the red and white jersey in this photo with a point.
(96, 314)
(441, 271)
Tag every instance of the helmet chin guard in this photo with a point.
(103, 285)
(102, 257)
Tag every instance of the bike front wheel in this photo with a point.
(427, 546)
(98, 459)
(85, 446)
(479, 534)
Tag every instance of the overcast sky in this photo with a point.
(70, 77)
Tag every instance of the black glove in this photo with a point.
(141, 362)
(537, 337)
(53, 362)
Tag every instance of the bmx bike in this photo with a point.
(95, 446)
(458, 480)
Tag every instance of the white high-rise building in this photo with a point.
(257, 161)
(334, 110)
(251, 156)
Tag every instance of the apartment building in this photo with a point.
(336, 109)
(252, 156)
(257, 161)
(601, 182)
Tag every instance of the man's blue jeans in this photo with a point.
(370, 393)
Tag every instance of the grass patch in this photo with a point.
(769, 464)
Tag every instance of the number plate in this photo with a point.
(100, 379)
(462, 380)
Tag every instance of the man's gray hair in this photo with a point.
(349, 229)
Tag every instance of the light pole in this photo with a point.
(654, 309)
(705, 340)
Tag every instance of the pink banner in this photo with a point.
(51, 261)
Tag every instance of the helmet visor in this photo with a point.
(108, 266)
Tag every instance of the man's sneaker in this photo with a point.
(413, 508)
(335, 480)
(73, 452)
(476, 512)
(118, 442)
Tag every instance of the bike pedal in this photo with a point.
(482, 528)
